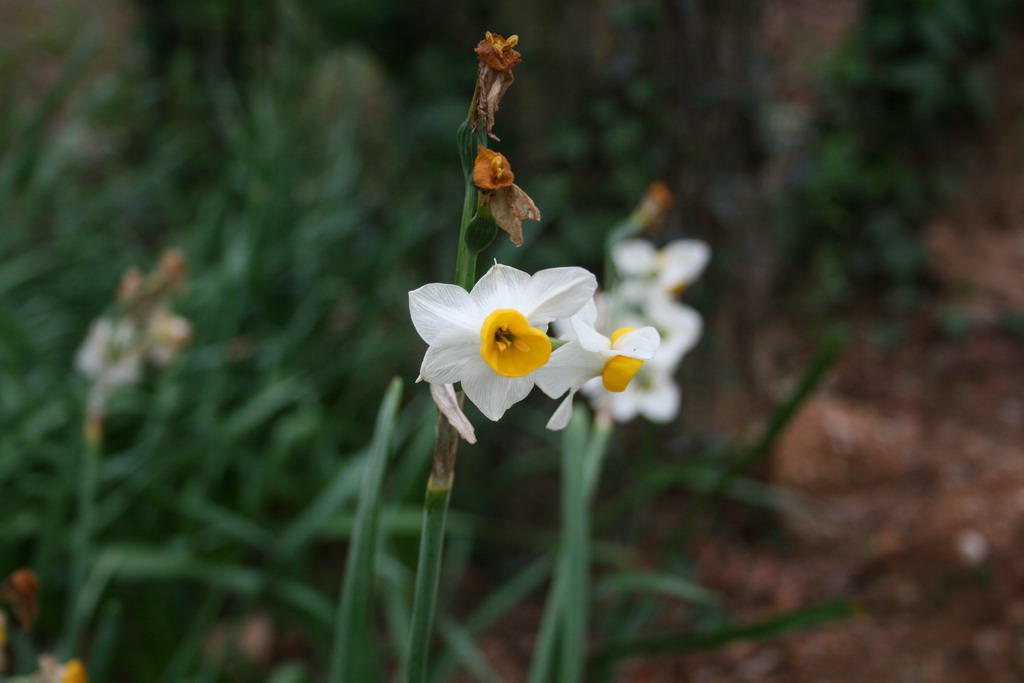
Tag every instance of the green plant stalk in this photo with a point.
(82, 547)
(576, 550)
(428, 571)
(349, 656)
(446, 443)
(544, 648)
(566, 613)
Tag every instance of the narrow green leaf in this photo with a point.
(349, 657)
(465, 648)
(803, 618)
(575, 560)
(652, 582)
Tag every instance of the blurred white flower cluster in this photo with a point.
(645, 293)
(141, 328)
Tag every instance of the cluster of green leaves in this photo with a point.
(899, 100)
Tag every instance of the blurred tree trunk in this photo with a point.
(711, 51)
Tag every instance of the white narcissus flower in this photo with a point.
(670, 269)
(589, 355)
(493, 338)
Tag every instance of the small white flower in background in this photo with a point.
(644, 269)
(642, 298)
(493, 338)
(167, 334)
(111, 353)
(111, 358)
(653, 394)
(117, 346)
(589, 355)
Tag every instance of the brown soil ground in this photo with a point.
(915, 458)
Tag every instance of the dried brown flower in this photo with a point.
(22, 590)
(497, 52)
(495, 59)
(491, 170)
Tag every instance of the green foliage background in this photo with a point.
(302, 155)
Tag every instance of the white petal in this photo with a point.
(589, 338)
(569, 368)
(444, 364)
(660, 401)
(680, 327)
(444, 314)
(634, 257)
(123, 372)
(641, 343)
(682, 262)
(500, 287)
(448, 403)
(560, 419)
(623, 404)
(557, 293)
(489, 391)
(92, 353)
(588, 314)
(638, 291)
(563, 329)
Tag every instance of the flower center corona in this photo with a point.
(619, 370)
(510, 346)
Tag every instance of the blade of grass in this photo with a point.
(349, 656)
(653, 582)
(497, 604)
(83, 545)
(771, 627)
(342, 486)
(152, 564)
(465, 648)
(826, 355)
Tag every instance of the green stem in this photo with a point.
(428, 571)
(465, 261)
(576, 551)
(446, 443)
(82, 542)
(544, 648)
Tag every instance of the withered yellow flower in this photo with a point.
(495, 59)
(491, 170)
(507, 202)
(21, 589)
(497, 51)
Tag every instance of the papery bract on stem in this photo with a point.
(506, 201)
